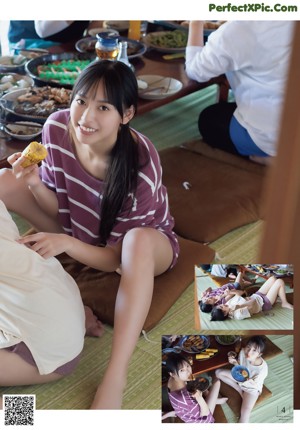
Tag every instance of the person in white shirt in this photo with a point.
(250, 357)
(254, 56)
(42, 318)
(237, 307)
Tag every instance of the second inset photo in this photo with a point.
(244, 297)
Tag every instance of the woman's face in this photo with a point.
(209, 300)
(225, 309)
(252, 352)
(184, 371)
(94, 120)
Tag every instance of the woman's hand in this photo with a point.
(29, 174)
(47, 244)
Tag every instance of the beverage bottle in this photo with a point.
(122, 56)
(107, 47)
(134, 31)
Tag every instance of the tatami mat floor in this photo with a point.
(168, 126)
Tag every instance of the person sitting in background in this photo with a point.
(224, 271)
(41, 34)
(254, 55)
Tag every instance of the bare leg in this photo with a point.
(145, 253)
(248, 403)
(212, 399)
(17, 198)
(264, 289)
(278, 290)
(225, 376)
(15, 371)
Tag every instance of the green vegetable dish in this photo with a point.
(169, 39)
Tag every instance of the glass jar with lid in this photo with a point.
(107, 47)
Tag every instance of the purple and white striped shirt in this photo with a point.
(79, 194)
(187, 408)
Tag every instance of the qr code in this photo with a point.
(19, 409)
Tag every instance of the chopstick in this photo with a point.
(5, 122)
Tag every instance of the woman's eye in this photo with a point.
(80, 101)
(103, 107)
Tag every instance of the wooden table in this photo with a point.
(150, 63)
(287, 279)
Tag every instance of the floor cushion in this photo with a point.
(235, 400)
(211, 192)
(99, 289)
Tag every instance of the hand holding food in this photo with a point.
(33, 154)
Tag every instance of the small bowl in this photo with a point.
(23, 130)
(12, 63)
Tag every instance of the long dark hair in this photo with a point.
(121, 90)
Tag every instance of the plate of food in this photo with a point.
(154, 87)
(23, 130)
(240, 373)
(117, 25)
(14, 81)
(194, 344)
(35, 103)
(167, 42)
(227, 339)
(12, 63)
(58, 70)
(134, 47)
(201, 383)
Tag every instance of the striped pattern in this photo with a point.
(79, 194)
(187, 408)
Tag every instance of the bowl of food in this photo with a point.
(12, 63)
(201, 384)
(23, 130)
(14, 81)
(240, 373)
(167, 41)
(227, 339)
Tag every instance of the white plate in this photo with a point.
(30, 130)
(94, 31)
(117, 25)
(153, 87)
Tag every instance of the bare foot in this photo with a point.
(221, 400)
(287, 305)
(93, 327)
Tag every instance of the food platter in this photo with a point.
(58, 70)
(134, 47)
(167, 42)
(226, 339)
(194, 344)
(240, 373)
(23, 130)
(14, 81)
(155, 87)
(35, 103)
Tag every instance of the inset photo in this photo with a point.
(244, 297)
(227, 378)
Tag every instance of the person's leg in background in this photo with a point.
(214, 126)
